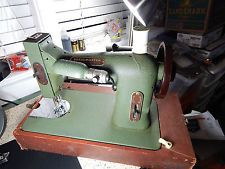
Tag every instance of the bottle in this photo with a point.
(66, 42)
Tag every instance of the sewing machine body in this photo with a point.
(125, 115)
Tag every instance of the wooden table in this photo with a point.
(172, 127)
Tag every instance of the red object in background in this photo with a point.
(16, 62)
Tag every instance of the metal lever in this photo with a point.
(166, 143)
(136, 106)
(136, 112)
(116, 48)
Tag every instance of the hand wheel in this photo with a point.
(164, 54)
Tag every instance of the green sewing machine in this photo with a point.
(109, 93)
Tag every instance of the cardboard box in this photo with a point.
(195, 16)
(213, 50)
(200, 41)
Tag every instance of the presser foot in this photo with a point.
(61, 106)
(51, 108)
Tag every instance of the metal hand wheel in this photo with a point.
(164, 55)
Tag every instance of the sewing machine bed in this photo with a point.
(172, 128)
(90, 118)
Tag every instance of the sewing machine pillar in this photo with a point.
(136, 76)
(48, 82)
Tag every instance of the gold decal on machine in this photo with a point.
(89, 61)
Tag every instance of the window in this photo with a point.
(16, 23)
(80, 18)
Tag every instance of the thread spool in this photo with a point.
(140, 39)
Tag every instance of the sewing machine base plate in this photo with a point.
(90, 118)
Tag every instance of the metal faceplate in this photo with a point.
(39, 72)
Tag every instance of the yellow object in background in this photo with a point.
(78, 45)
(115, 29)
